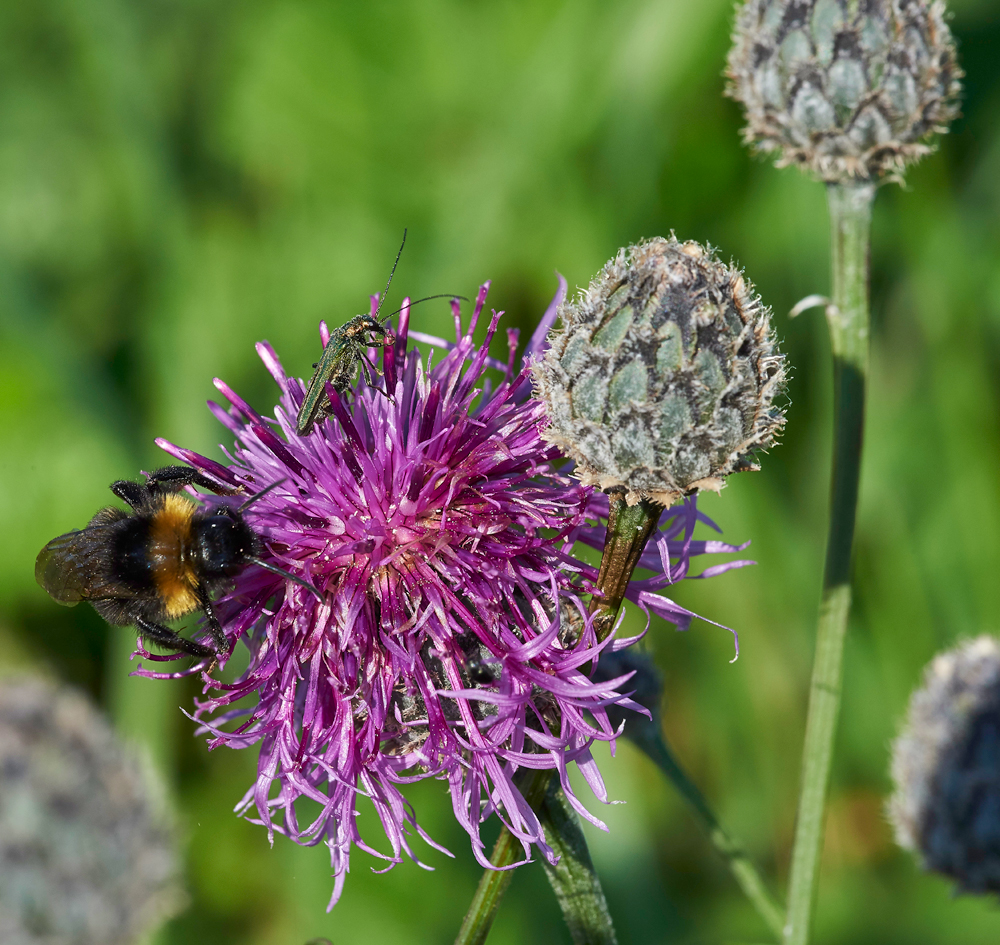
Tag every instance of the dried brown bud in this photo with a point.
(844, 88)
(663, 376)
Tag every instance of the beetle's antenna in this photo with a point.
(274, 569)
(391, 274)
(427, 298)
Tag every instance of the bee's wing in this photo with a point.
(70, 567)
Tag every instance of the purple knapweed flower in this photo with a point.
(452, 639)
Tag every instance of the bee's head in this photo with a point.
(224, 543)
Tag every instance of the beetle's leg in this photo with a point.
(367, 367)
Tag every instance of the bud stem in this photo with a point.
(629, 528)
(585, 910)
(850, 216)
(649, 738)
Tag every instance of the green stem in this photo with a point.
(648, 736)
(573, 880)
(494, 883)
(629, 528)
(848, 316)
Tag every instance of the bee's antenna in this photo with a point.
(259, 495)
(274, 569)
(427, 298)
(391, 274)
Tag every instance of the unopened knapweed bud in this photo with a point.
(946, 766)
(845, 89)
(663, 376)
(86, 856)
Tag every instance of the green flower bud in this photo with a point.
(844, 88)
(663, 376)
(946, 766)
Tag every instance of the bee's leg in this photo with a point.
(168, 479)
(214, 627)
(167, 638)
(175, 478)
(134, 493)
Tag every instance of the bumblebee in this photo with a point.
(161, 561)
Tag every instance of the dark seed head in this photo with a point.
(946, 766)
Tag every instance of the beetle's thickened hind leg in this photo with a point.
(165, 637)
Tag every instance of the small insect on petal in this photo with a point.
(345, 352)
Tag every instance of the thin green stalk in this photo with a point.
(648, 736)
(848, 316)
(629, 528)
(573, 879)
(494, 883)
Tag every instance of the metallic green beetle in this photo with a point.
(344, 353)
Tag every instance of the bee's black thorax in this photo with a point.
(220, 545)
(166, 550)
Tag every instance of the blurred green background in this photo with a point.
(180, 178)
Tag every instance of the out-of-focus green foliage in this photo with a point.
(180, 179)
